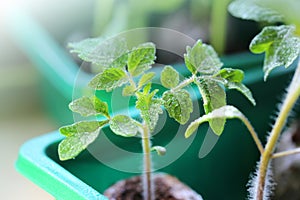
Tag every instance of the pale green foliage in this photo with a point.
(149, 106)
(124, 126)
(232, 79)
(228, 112)
(109, 79)
(202, 58)
(214, 97)
(141, 58)
(257, 10)
(101, 52)
(169, 77)
(232, 75)
(123, 67)
(146, 78)
(128, 90)
(79, 136)
(178, 104)
(279, 44)
(88, 106)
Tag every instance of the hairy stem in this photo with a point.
(253, 134)
(288, 103)
(147, 179)
(184, 83)
(286, 153)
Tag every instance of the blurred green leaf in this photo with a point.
(279, 44)
(169, 77)
(256, 10)
(101, 52)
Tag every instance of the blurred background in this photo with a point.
(37, 73)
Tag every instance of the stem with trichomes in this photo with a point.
(147, 176)
(291, 97)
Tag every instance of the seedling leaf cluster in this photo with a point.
(130, 70)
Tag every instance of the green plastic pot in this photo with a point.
(222, 174)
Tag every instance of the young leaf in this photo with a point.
(80, 127)
(161, 151)
(256, 10)
(109, 79)
(146, 78)
(79, 136)
(202, 58)
(228, 112)
(150, 108)
(279, 44)
(124, 126)
(128, 90)
(242, 89)
(87, 106)
(169, 77)
(214, 97)
(232, 79)
(141, 58)
(100, 52)
(232, 75)
(178, 104)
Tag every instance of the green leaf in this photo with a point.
(146, 78)
(128, 90)
(100, 52)
(150, 107)
(79, 136)
(279, 44)
(124, 126)
(81, 127)
(109, 79)
(178, 104)
(242, 89)
(232, 75)
(141, 58)
(169, 77)
(228, 112)
(161, 151)
(256, 10)
(87, 106)
(214, 97)
(231, 79)
(202, 58)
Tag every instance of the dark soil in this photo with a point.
(166, 188)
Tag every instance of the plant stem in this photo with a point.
(286, 153)
(184, 83)
(288, 103)
(253, 134)
(147, 179)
